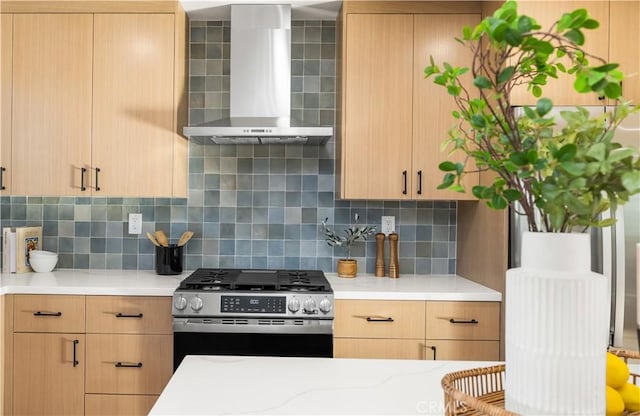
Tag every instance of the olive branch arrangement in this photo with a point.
(352, 234)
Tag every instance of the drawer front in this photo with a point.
(118, 404)
(129, 315)
(408, 349)
(379, 319)
(128, 364)
(49, 313)
(462, 350)
(463, 320)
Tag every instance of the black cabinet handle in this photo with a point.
(121, 364)
(404, 178)
(83, 172)
(433, 348)
(379, 319)
(419, 182)
(124, 315)
(97, 172)
(456, 321)
(75, 359)
(47, 313)
(2, 170)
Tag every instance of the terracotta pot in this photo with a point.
(347, 268)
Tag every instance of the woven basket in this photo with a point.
(480, 391)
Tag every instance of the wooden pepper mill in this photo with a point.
(394, 268)
(380, 255)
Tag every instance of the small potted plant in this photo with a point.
(347, 267)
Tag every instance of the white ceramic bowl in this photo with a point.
(42, 261)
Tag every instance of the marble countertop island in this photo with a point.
(232, 385)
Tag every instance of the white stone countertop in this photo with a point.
(148, 283)
(231, 385)
(411, 287)
(91, 282)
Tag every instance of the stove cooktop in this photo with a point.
(256, 280)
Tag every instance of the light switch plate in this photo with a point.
(388, 224)
(135, 223)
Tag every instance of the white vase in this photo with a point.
(556, 328)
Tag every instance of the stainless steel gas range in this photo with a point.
(253, 312)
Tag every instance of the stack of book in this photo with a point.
(16, 244)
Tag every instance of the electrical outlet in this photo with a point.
(135, 223)
(388, 224)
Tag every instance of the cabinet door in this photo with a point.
(128, 364)
(46, 381)
(51, 108)
(118, 404)
(6, 45)
(560, 90)
(407, 349)
(376, 142)
(623, 45)
(435, 36)
(462, 350)
(133, 104)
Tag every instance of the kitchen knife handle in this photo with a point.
(38, 313)
(462, 321)
(419, 182)
(75, 357)
(404, 177)
(121, 364)
(124, 315)
(83, 172)
(2, 170)
(379, 319)
(97, 172)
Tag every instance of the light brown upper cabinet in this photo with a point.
(623, 45)
(376, 143)
(96, 101)
(133, 104)
(51, 103)
(560, 90)
(432, 106)
(392, 120)
(6, 48)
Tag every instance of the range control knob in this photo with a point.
(180, 302)
(309, 306)
(294, 305)
(325, 305)
(196, 303)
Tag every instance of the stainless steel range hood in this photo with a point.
(260, 87)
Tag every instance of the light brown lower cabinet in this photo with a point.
(408, 349)
(118, 404)
(417, 330)
(462, 350)
(48, 374)
(128, 364)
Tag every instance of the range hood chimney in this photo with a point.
(260, 88)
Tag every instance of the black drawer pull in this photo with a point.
(433, 348)
(47, 313)
(121, 364)
(419, 182)
(124, 315)
(455, 321)
(75, 359)
(404, 178)
(2, 170)
(379, 319)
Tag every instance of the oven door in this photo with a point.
(257, 337)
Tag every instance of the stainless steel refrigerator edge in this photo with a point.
(613, 249)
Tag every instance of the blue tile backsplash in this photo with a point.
(249, 206)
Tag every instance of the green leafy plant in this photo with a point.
(351, 235)
(559, 178)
